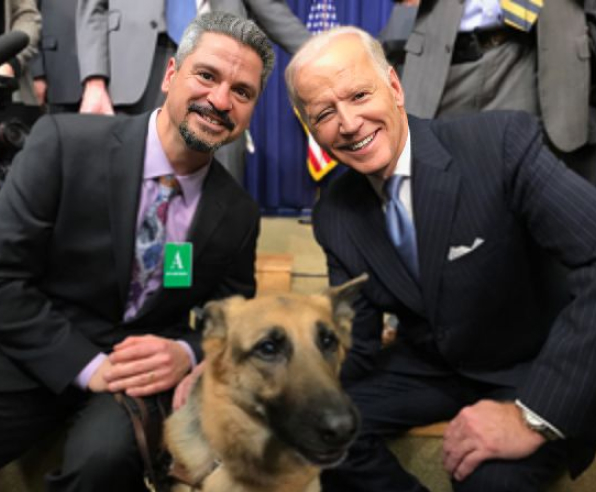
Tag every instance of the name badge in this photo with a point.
(177, 266)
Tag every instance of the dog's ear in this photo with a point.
(214, 320)
(342, 298)
(216, 316)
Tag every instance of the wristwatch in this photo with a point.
(535, 423)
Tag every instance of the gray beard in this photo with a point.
(195, 143)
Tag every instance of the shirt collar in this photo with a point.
(157, 164)
(404, 168)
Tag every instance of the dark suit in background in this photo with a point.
(476, 326)
(70, 206)
(395, 33)
(57, 64)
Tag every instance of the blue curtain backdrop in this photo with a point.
(276, 174)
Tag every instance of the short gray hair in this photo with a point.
(242, 30)
(315, 44)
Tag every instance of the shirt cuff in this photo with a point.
(538, 417)
(189, 351)
(82, 380)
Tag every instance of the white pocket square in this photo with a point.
(456, 252)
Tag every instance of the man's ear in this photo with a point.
(342, 298)
(169, 73)
(396, 88)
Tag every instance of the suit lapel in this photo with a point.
(211, 208)
(127, 154)
(366, 226)
(435, 191)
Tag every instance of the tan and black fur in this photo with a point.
(269, 405)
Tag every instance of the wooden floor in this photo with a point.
(288, 236)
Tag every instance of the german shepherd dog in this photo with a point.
(268, 407)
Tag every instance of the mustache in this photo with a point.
(210, 111)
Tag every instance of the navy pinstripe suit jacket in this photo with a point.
(485, 314)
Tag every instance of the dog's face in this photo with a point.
(279, 357)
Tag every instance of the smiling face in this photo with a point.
(211, 96)
(354, 112)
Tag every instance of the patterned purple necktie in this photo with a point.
(151, 238)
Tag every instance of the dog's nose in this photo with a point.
(338, 428)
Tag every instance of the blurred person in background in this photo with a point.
(21, 15)
(55, 69)
(465, 56)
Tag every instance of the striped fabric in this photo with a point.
(521, 14)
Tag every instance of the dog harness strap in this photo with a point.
(138, 424)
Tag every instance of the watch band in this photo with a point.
(538, 424)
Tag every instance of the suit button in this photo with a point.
(447, 48)
(153, 24)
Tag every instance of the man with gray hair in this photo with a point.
(111, 230)
(451, 220)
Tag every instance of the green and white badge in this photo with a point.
(177, 266)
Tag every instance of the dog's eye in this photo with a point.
(268, 349)
(328, 342)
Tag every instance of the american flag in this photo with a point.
(321, 17)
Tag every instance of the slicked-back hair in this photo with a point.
(242, 30)
(315, 44)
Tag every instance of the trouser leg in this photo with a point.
(101, 451)
(531, 474)
(27, 416)
(391, 403)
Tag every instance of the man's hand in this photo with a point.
(183, 389)
(96, 98)
(146, 365)
(6, 70)
(40, 88)
(486, 430)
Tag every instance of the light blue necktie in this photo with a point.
(179, 13)
(400, 227)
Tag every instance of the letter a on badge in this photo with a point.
(177, 271)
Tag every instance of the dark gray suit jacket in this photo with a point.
(67, 238)
(563, 65)
(486, 314)
(57, 60)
